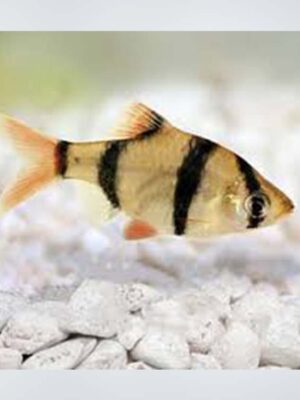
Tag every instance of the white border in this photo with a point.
(145, 385)
(145, 15)
(149, 15)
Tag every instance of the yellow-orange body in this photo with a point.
(168, 180)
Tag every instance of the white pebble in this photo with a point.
(239, 348)
(9, 304)
(195, 301)
(29, 331)
(256, 309)
(94, 310)
(272, 367)
(203, 330)
(55, 309)
(138, 365)
(166, 315)
(292, 303)
(163, 349)
(197, 323)
(281, 341)
(135, 296)
(204, 361)
(10, 359)
(108, 354)
(66, 355)
(215, 288)
(131, 331)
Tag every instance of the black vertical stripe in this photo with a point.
(251, 181)
(189, 177)
(252, 185)
(109, 160)
(107, 170)
(61, 155)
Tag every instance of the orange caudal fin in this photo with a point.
(40, 153)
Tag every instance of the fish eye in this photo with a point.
(257, 205)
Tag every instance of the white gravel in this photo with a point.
(238, 348)
(248, 326)
(94, 310)
(10, 303)
(281, 340)
(163, 349)
(204, 361)
(203, 330)
(135, 296)
(256, 308)
(138, 365)
(10, 359)
(109, 354)
(65, 355)
(131, 331)
(30, 331)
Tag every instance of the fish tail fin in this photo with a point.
(41, 153)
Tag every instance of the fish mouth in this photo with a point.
(287, 208)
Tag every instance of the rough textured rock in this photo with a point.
(217, 289)
(94, 310)
(135, 296)
(187, 316)
(281, 341)
(203, 330)
(239, 348)
(257, 308)
(196, 301)
(292, 305)
(226, 323)
(10, 359)
(108, 354)
(9, 305)
(138, 365)
(29, 331)
(131, 331)
(204, 361)
(54, 309)
(163, 349)
(66, 355)
(167, 314)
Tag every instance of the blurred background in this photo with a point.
(240, 89)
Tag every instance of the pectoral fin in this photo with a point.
(137, 229)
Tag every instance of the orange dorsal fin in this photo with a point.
(137, 120)
(138, 229)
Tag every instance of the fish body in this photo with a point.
(166, 180)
